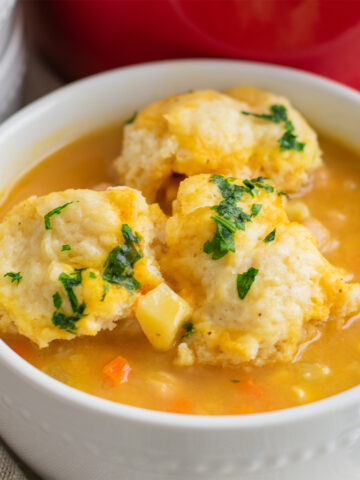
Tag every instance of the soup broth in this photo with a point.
(325, 367)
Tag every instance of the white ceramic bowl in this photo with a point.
(12, 67)
(65, 434)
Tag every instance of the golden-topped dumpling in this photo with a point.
(245, 133)
(74, 262)
(257, 283)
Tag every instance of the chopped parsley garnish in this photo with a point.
(92, 275)
(57, 300)
(60, 319)
(226, 223)
(270, 237)
(65, 247)
(255, 209)
(230, 191)
(227, 209)
(65, 322)
(69, 282)
(189, 329)
(259, 183)
(244, 281)
(222, 242)
(15, 277)
(234, 380)
(279, 114)
(230, 217)
(288, 141)
(119, 266)
(284, 194)
(105, 290)
(131, 119)
(249, 184)
(55, 211)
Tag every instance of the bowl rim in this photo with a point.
(60, 391)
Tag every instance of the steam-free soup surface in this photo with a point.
(327, 366)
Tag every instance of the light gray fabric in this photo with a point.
(11, 468)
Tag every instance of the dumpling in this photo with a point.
(257, 283)
(244, 133)
(74, 262)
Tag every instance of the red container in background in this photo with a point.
(81, 37)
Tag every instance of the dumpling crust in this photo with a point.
(294, 292)
(206, 132)
(89, 227)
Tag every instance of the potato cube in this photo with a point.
(161, 313)
(297, 211)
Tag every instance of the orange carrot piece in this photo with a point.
(251, 387)
(181, 405)
(117, 371)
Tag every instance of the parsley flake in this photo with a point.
(92, 275)
(15, 277)
(105, 290)
(119, 266)
(65, 322)
(222, 242)
(259, 183)
(65, 247)
(249, 184)
(234, 380)
(284, 194)
(229, 210)
(244, 281)
(255, 209)
(230, 217)
(131, 119)
(57, 300)
(226, 223)
(60, 319)
(270, 237)
(55, 211)
(70, 281)
(189, 329)
(289, 142)
(231, 192)
(279, 114)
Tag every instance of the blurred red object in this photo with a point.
(81, 37)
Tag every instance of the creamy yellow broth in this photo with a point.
(325, 367)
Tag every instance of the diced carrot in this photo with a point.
(181, 405)
(251, 387)
(243, 409)
(117, 371)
